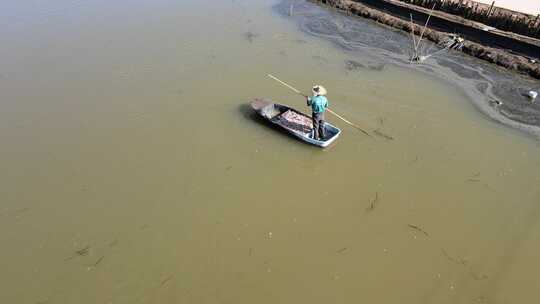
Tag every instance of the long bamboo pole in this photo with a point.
(415, 55)
(329, 110)
(425, 27)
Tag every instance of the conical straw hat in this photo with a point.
(319, 90)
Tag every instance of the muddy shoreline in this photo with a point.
(505, 21)
(479, 44)
(498, 93)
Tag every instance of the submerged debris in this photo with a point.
(373, 203)
(451, 259)
(383, 135)
(342, 250)
(99, 261)
(167, 279)
(81, 252)
(93, 266)
(250, 36)
(474, 178)
(463, 262)
(351, 65)
(418, 229)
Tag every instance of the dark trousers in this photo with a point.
(318, 125)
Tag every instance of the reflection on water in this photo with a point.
(132, 171)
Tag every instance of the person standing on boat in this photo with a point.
(318, 104)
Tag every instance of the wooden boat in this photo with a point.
(294, 122)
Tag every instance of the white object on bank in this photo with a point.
(533, 95)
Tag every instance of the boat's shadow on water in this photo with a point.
(250, 114)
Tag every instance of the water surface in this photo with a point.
(133, 171)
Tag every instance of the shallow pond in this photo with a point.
(133, 170)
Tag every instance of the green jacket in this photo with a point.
(318, 103)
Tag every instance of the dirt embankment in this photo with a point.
(488, 14)
(500, 57)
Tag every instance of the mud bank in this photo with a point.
(478, 49)
(496, 92)
(487, 13)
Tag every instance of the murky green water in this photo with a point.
(132, 171)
